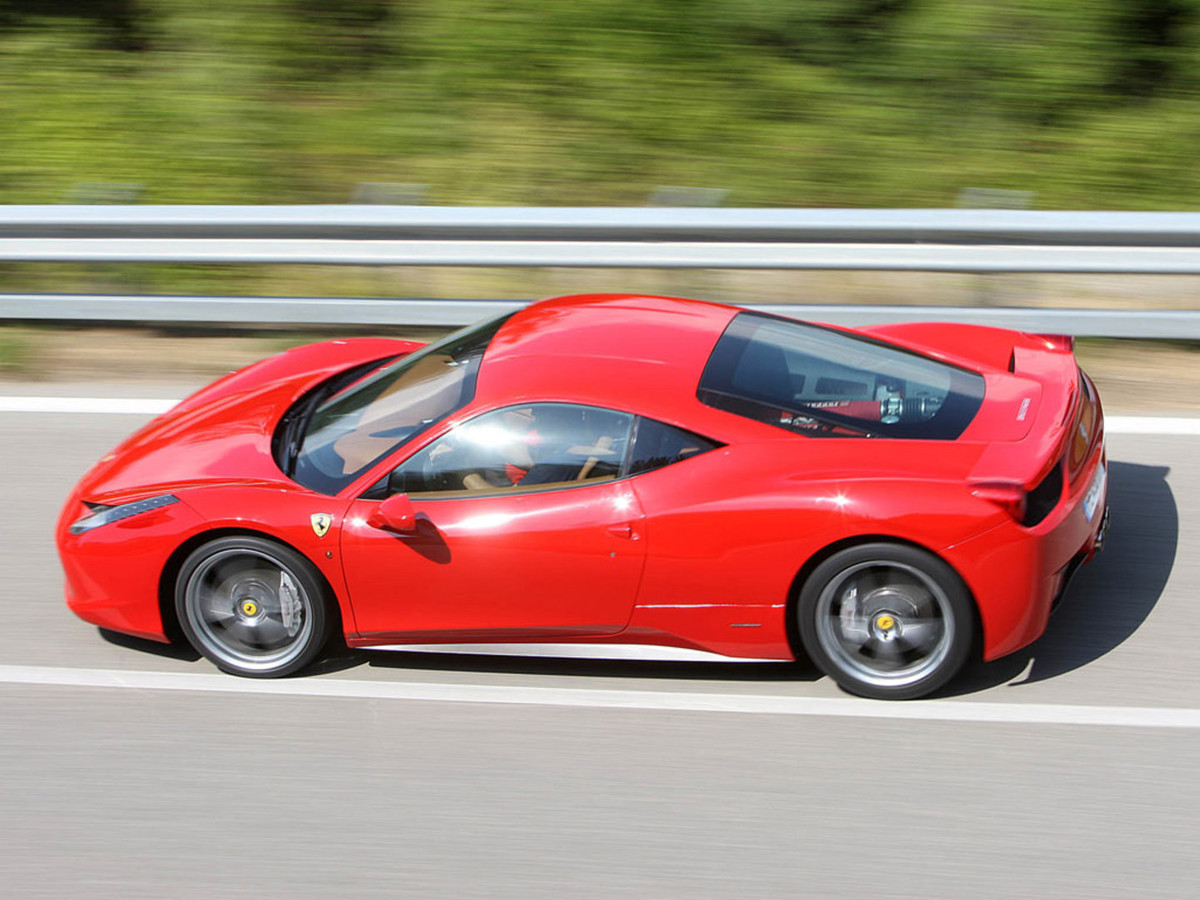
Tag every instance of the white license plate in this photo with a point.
(1092, 499)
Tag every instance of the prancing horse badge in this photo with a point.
(321, 523)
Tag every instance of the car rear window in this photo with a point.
(823, 382)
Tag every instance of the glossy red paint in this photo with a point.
(706, 553)
(551, 564)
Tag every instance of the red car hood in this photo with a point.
(222, 434)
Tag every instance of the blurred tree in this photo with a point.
(326, 39)
(831, 32)
(121, 25)
(1032, 62)
(1157, 44)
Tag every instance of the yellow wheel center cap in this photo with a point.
(249, 608)
(885, 622)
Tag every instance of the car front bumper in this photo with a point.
(113, 572)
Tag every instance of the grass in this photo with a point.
(861, 103)
(16, 350)
(599, 101)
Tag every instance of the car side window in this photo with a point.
(520, 448)
(656, 444)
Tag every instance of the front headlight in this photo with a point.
(99, 514)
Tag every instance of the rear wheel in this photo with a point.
(252, 606)
(887, 621)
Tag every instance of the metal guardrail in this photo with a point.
(960, 240)
(612, 254)
(452, 313)
(980, 241)
(634, 224)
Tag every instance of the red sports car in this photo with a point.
(611, 469)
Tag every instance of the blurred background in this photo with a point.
(1041, 104)
(903, 103)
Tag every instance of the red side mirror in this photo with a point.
(396, 514)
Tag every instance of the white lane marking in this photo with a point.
(756, 704)
(1171, 425)
(131, 405)
(1151, 425)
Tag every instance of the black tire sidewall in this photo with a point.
(298, 567)
(962, 607)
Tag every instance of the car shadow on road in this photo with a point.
(1111, 596)
(177, 650)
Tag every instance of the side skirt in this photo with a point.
(647, 652)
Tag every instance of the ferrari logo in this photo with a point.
(321, 523)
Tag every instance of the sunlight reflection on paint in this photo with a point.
(498, 521)
(485, 522)
(839, 500)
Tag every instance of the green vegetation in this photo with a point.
(1091, 103)
(16, 350)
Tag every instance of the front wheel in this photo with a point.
(886, 621)
(252, 606)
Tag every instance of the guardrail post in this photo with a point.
(697, 281)
(991, 290)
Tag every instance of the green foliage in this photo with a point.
(1090, 103)
(120, 25)
(324, 40)
(16, 350)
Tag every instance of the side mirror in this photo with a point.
(396, 514)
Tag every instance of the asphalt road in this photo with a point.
(137, 792)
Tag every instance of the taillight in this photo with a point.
(1008, 496)
(1027, 507)
(1059, 343)
(1044, 498)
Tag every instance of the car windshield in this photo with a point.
(823, 382)
(352, 430)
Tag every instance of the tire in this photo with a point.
(253, 607)
(886, 621)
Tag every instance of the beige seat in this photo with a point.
(600, 450)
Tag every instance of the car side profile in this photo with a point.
(611, 469)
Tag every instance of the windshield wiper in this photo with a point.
(297, 428)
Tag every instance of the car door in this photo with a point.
(521, 528)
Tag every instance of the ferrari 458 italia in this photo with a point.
(611, 469)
